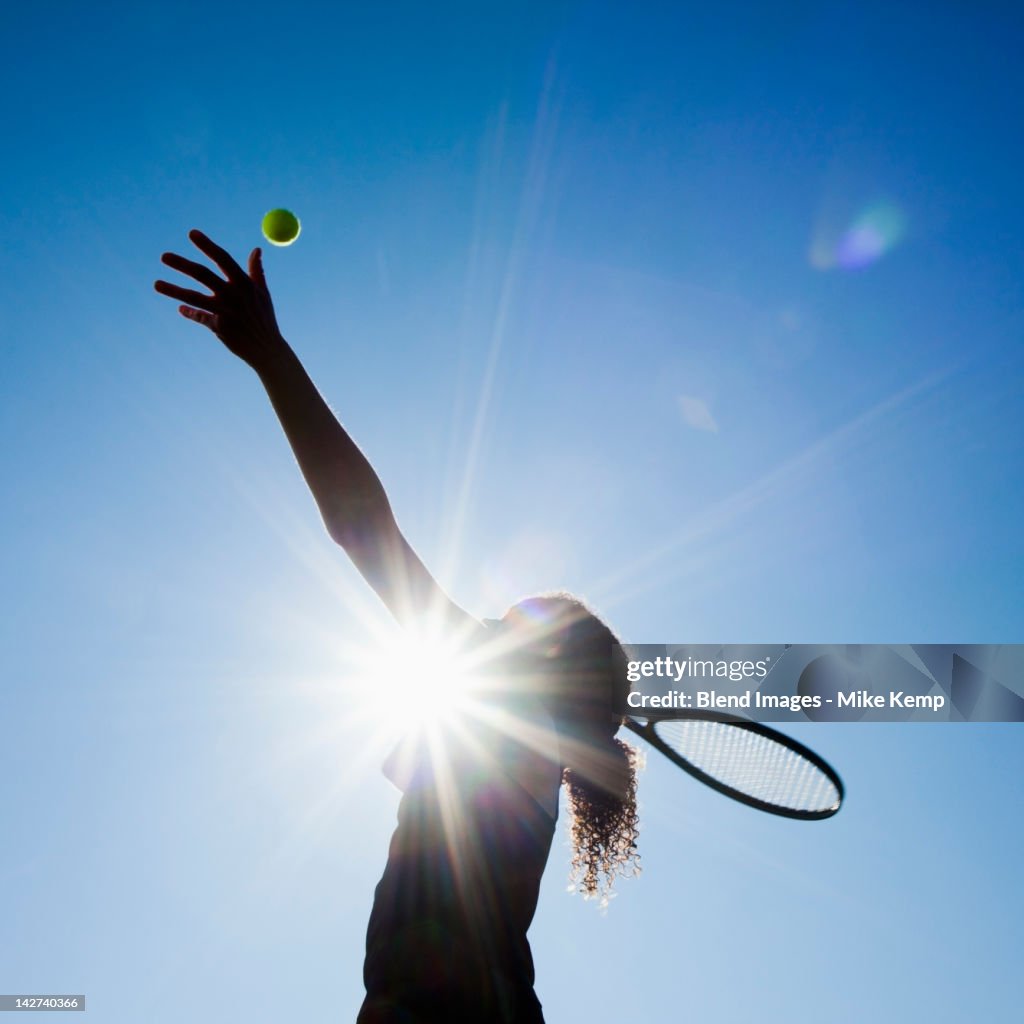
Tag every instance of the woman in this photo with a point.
(447, 933)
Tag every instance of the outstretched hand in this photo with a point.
(239, 310)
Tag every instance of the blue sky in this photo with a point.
(711, 314)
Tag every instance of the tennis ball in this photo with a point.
(281, 227)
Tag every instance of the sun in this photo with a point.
(419, 680)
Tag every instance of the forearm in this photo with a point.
(345, 487)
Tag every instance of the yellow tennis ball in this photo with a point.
(281, 227)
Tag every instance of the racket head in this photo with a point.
(747, 761)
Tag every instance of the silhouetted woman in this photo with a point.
(447, 937)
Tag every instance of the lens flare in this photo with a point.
(876, 230)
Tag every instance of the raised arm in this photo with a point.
(351, 499)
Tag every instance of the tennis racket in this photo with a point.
(747, 761)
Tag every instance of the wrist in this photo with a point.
(276, 359)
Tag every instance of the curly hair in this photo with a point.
(599, 770)
(604, 829)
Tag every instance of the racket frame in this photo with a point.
(646, 731)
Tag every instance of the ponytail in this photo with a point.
(604, 826)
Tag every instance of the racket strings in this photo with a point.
(751, 764)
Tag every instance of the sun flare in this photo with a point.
(419, 680)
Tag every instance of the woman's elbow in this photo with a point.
(357, 526)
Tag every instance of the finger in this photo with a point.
(256, 268)
(204, 275)
(193, 298)
(223, 259)
(199, 316)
